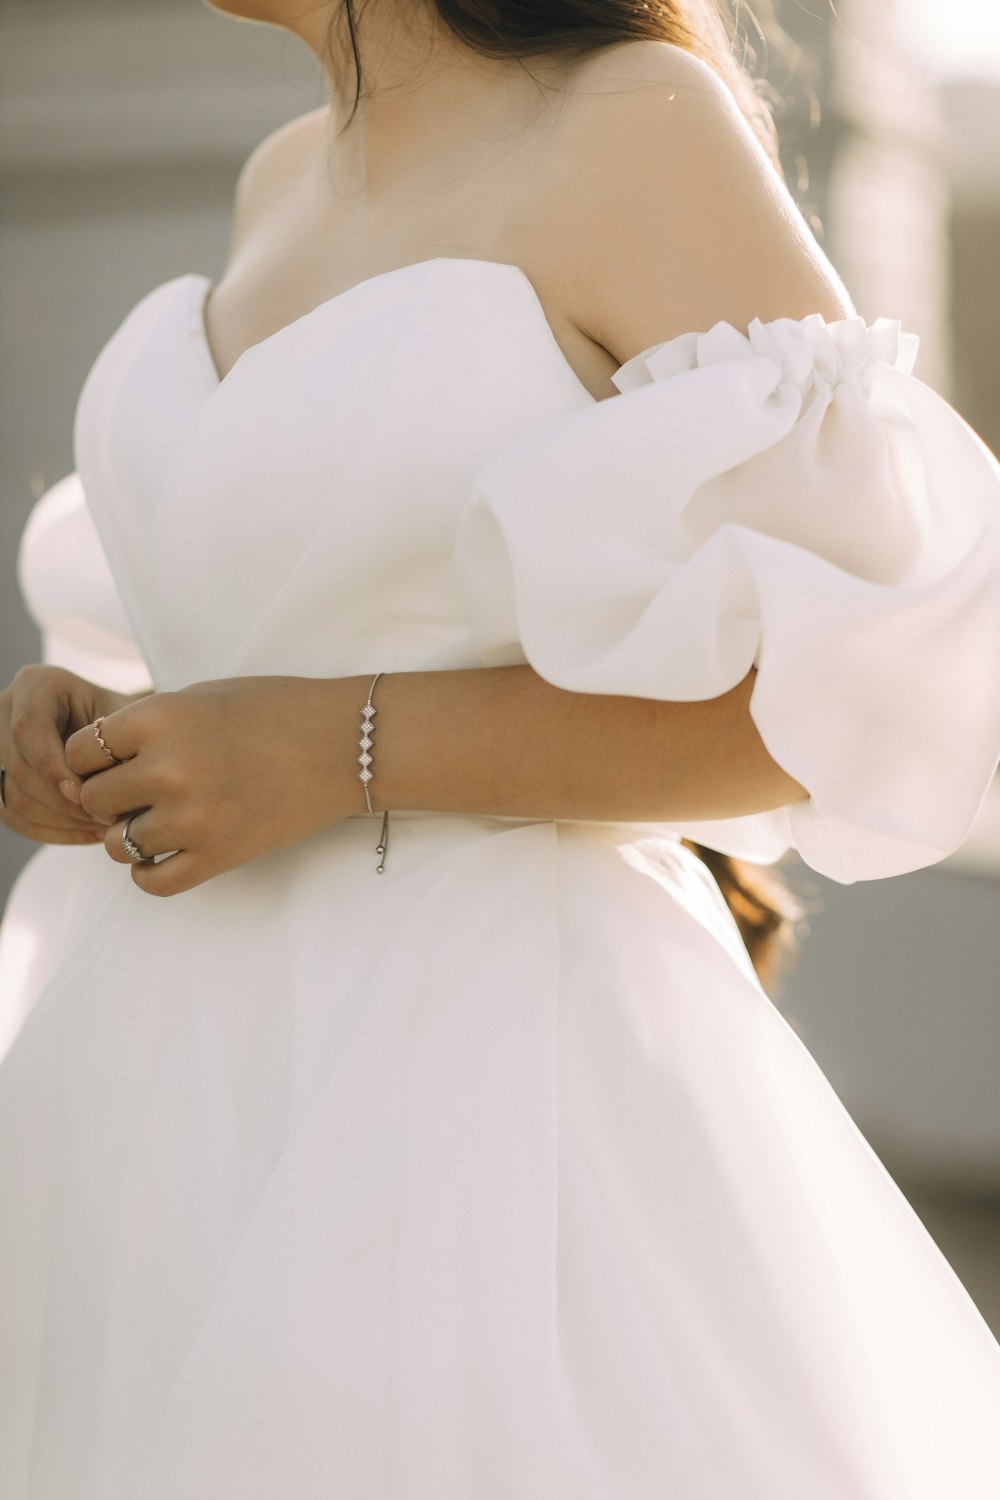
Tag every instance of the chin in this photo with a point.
(253, 10)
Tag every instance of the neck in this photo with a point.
(425, 93)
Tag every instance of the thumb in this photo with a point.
(36, 731)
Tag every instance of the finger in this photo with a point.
(108, 796)
(28, 783)
(139, 833)
(84, 750)
(35, 729)
(38, 834)
(145, 832)
(27, 809)
(171, 876)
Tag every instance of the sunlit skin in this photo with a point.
(225, 772)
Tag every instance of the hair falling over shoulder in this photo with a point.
(766, 912)
(573, 28)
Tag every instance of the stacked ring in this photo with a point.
(100, 740)
(131, 848)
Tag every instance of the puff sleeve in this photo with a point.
(69, 592)
(794, 499)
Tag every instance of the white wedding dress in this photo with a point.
(497, 1176)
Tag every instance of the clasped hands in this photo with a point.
(214, 775)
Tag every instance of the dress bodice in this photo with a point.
(299, 516)
(411, 477)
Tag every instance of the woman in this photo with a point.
(437, 1138)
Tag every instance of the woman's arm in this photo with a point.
(228, 771)
(673, 220)
(502, 740)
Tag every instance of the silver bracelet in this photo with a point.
(365, 760)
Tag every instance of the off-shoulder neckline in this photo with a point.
(202, 287)
(795, 342)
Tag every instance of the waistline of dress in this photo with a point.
(414, 838)
(630, 831)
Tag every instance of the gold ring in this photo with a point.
(100, 740)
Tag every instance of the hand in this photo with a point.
(40, 790)
(220, 773)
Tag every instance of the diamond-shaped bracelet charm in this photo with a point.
(364, 759)
(365, 775)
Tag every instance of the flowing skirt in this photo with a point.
(494, 1177)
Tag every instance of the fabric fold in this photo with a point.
(792, 499)
(70, 593)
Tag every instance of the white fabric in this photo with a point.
(69, 591)
(497, 1175)
(792, 499)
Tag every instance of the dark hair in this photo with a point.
(765, 910)
(507, 29)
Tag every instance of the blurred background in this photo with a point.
(123, 124)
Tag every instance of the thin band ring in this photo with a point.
(131, 848)
(100, 740)
(3, 778)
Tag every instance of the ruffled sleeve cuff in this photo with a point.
(793, 499)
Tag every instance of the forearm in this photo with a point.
(504, 741)
(222, 772)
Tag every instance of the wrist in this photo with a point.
(340, 792)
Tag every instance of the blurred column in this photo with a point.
(878, 172)
(971, 109)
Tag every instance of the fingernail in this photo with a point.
(70, 790)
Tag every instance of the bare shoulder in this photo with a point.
(634, 67)
(673, 217)
(268, 169)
